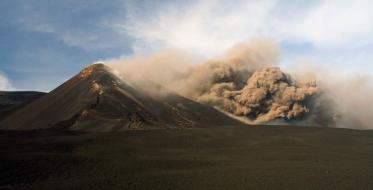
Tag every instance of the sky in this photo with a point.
(43, 43)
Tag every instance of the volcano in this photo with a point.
(97, 99)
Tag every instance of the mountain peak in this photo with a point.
(94, 68)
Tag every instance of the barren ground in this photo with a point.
(278, 157)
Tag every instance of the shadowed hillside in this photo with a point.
(12, 101)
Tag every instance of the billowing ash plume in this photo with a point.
(268, 94)
(244, 83)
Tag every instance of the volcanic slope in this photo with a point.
(96, 99)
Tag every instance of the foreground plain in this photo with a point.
(276, 157)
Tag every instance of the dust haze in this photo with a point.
(246, 83)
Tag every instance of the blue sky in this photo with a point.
(43, 43)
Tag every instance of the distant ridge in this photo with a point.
(11, 101)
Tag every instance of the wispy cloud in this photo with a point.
(204, 27)
(337, 24)
(209, 27)
(5, 83)
(78, 23)
(39, 37)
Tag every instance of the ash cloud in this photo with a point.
(247, 84)
(268, 94)
(344, 99)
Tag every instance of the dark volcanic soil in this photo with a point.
(210, 158)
